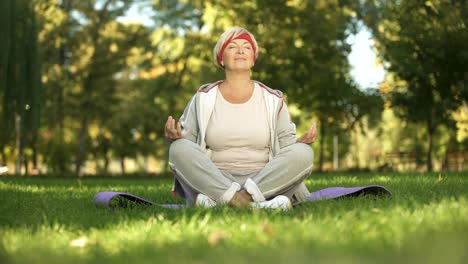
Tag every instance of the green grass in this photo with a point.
(54, 220)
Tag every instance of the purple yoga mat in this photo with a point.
(336, 192)
(105, 198)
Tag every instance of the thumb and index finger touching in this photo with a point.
(172, 129)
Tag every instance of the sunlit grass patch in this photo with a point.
(55, 220)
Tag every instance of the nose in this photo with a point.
(240, 50)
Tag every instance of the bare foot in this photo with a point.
(241, 199)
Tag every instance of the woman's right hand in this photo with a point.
(171, 131)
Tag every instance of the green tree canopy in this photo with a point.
(422, 43)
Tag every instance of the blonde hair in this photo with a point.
(232, 32)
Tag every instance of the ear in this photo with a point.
(222, 63)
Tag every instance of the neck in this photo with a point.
(238, 80)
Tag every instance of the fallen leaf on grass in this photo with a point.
(268, 229)
(216, 237)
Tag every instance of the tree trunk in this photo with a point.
(122, 165)
(19, 146)
(66, 6)
(430, 133)
(6, 16)
(25, 164)
(87, 94)
(445, 163)
(106, 163)
(3, 156)
(147, 165)
(335, 153)
(34, 157)
(83, 136)
(60, 114)
(322, 143)
(356, 155)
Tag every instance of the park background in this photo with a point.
(86, 86)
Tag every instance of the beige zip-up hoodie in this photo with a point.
(197, 114)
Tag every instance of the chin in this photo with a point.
(240, 69)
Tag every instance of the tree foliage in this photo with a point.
(109, 86)
(422, 43)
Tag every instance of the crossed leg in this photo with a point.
(195, 173)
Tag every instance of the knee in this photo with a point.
(303, 155)
(178, 149)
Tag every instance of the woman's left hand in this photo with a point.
(309, 136)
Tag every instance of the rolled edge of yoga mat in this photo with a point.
(105, 198)
(337, 192)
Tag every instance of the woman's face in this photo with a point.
(238, 55)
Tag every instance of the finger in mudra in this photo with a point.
(173, 131)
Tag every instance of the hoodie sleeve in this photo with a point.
(285, 128)
(189, 121)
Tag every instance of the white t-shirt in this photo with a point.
(238, 134)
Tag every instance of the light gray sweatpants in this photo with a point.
(195, 173)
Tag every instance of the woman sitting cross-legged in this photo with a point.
(235, 143)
